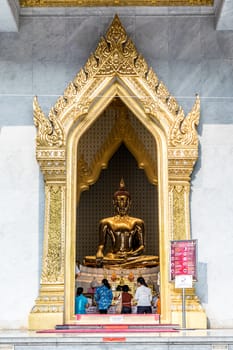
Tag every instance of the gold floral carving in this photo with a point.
(179, 212)
(47, 303)
(65, 3)
(193, 303)
(115, 53)
(53, 268)
(52, 162)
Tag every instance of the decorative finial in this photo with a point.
(122, 190)
(122, 184)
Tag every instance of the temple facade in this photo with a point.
(187, 54)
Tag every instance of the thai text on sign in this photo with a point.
(183, 258)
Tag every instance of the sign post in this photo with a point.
(183, 281)
(183, 268)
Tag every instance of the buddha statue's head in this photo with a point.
(122, 199)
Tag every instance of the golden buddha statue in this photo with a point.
(127, 238)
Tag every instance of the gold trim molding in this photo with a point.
(115, 71)
(90, 3)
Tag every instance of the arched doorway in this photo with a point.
(114, 71)
(120, 163)
(76, 183)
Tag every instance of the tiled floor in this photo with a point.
(214, 339)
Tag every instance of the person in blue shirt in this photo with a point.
(103, 296)
(81, 302)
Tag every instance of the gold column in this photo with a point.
(180, 169)
(50, 303)
(50, 154)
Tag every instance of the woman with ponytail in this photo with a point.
(143, 296)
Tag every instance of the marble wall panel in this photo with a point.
(151, 40)
(55, 79)
(17, 47)
(16, 110)
(184, 39)
(224, 19)
(217, 78)
(202, 284)
(49, 56)
(16, 60)
(19, 219)
(211, 218)
(81, 35)
(217, 111)
(16, 78)
(49, 44)
(184, 78)
(152, 37)
(215, 44)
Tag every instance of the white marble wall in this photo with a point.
(212, 222)
(19, 225)
(190, 56)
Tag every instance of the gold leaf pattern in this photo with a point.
(53, 260)
(162, 92)
(152, 79)
(141, 66)
(80, 3)
(179, 212)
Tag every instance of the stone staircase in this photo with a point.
(110, 323)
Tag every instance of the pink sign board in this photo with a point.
(183, 258)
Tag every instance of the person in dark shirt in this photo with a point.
(126, 300)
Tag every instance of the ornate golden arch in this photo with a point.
(115, 70)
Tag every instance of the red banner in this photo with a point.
(183, 258)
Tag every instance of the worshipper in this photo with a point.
(143, 296)
(126, 299)
(103, 296)
(81, 302)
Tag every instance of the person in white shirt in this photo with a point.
(143, 296)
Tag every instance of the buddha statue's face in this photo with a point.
(122, 204)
